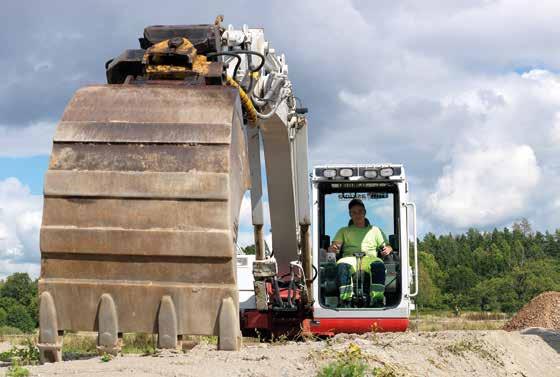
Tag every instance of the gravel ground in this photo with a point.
(534, 352)
(542, 311)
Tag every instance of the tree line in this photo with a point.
(500, 270)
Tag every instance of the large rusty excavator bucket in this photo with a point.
(141, 208)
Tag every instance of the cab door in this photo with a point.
(411, 232)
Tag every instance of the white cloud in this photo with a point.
(485, 186)
(482, 36)
(8, 268)
(32, 140)
(20, 221)
(245, 219)
(448, 122)
(555, 131)
(434, 85)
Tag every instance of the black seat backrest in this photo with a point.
(325, 242)
(394, 242)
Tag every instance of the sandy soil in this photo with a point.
(532, 352)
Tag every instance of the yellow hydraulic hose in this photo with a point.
(246, 101)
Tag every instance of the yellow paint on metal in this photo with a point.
(152, 59)
(246, 101)
(165, 69)
(162, 48)
(200, 65)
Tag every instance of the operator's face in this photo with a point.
(358, 215)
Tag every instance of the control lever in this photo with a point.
(360, 301)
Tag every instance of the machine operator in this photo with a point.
(360, 236)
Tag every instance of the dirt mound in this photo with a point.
(434, 354)
(542, 311)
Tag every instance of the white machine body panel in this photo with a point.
(245, 282)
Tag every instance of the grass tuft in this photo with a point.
(463, 347)
(16, 370)
(352, 362)
(76, 346)
(442, 321)
(105, 358)
(139, 343)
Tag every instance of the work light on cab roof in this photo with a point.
(381, 172)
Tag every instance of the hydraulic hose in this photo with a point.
(316, 273)
(248, 52)
(227, 53)
(245, 100)
(235, 54)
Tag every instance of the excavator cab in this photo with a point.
(380, 202)
(383, 190)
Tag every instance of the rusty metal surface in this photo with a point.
(153, 133)
(136, 214)
(136, 242)
(161, 185)
(152, 104)
(142, 199)
(126, 157)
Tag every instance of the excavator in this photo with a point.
(143, 192)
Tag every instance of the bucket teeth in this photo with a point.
(50, 344)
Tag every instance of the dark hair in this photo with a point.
(356, 202)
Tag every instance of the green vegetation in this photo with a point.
(76, 346)
(442, 321)
(105, 358)
(18, 303)
(26, 353)
(352, 362)
(488, 271)
(139, 343)
(474, 346)
(341, 368)
(81, 345)
(249, 250)
(15, 370)
(348, 363)
(8, 330)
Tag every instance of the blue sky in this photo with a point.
(30, 170)
(465, 94)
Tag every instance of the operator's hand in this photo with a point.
(335, 247)
(386, 251)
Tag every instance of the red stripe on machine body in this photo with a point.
(331, 326)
